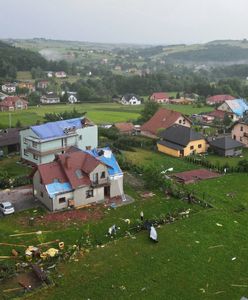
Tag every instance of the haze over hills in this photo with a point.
(218, 52)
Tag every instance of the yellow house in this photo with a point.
(181, 141)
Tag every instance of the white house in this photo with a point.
(60, 74)
(49, 98)
(9, 88)
(72, 97)
(236, 108)
(130, 99)
(41, 143)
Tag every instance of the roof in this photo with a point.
(237, 106)
(124, 127)
(11, 100)
(220, 114)
(180, 135)
(219, 98)
(225, 143)
(50, 96)
(57, 188)
(195, 175)
(9, 137)
(170, 145)
(64, 169)
(56, 129)
(163, 118)
(130, 96)
(160, 95)
(106, 156)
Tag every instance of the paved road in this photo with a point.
(22, 198)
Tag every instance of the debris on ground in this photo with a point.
(217, 246)
(147, 194)
(218, 224)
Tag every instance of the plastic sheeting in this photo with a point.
(238, 106)
(56, 129)
(106, 156)
(57, 187)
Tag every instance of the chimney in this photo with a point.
(67, 162)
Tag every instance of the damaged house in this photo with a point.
(78, 178)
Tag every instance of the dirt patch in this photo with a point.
(82, 215)
(133, 181)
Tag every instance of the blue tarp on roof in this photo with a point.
(56, 129)
(238, 106)
(109, 160)
(57, 187)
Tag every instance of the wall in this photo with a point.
(38, 188)
(203, 149)
(89, 137)
(59, 206)
(168, 151)
(29, 157)
(183, 121)
(116, 187)
(98, 170)
(236, 132)
(80, 195)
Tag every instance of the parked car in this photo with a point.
(7, 208)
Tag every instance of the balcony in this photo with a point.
(43, 153)
(100, 183)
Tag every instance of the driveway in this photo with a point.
(22, 198)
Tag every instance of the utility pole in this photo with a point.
(9, 120)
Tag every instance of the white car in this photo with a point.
(7, 208)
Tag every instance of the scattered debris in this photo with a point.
(14, 245)
(239, 285)
(218, 224)
(30, 233)
(219, 292)
(217, 246)
(147, 195)
(234, 258)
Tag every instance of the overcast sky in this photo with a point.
(127, 21)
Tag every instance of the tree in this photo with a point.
(18, 124)
(149, 110)
(84, 93)
(227, 120)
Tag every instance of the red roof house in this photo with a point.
(217, 99)
(160, 97)
(126, 128)
(163, 119)
(13, 103)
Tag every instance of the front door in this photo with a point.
(181, 153)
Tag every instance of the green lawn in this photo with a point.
(13, 167)
(144, 157)
(24, 75)
(188, 109)
(203, 256)
(231, 161)
(97, 112)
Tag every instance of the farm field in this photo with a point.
(97, 112)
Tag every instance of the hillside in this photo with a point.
(14, 59)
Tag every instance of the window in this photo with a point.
(25, 141)
(241, 128)
(103, 174)
(62, 200)
(199, 146)
(80, 137)
(241, 139)
(191, 147)
(183, 121)
(180, 121)
(34, 144)
(25, 152)
(89, 193)
(35, 157)
(234, 137)
(79, 173)
(88, 147)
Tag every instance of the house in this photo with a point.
(236, 108)
(42, 84)
(219, 114)
(49, 74)
(218, 99)
(240, 131)
(12, 103)
(26, 85)
(40, 143)
(181, 141)
(9, 88)
(125, 128)
(72, 97)
(163, 119)
(9, 140)
(49, 98)
(226, 146)
(78, 178)
(159, 97)
(182, 100)
(130, 99)
(60, 74)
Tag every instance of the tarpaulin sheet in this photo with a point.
(238, 106)
(57, 187)
(56, 129)
(110, 160)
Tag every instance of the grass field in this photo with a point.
(97, 112)
(11, 165)
(188, 109)
(200, 257)
(24, 75)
